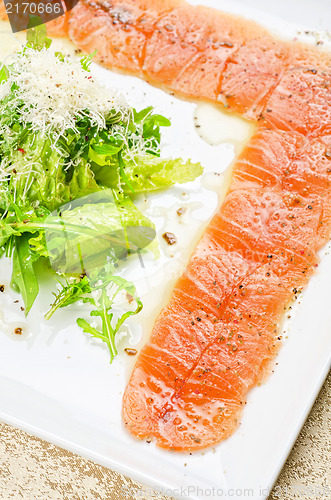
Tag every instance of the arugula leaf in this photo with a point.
(37, 34)
(140, 116)
(146, 115)
(24, 280)
(69, 293)
(159, 120)
(109, 289)
(103, 310)
(147, 124)
(86, 60)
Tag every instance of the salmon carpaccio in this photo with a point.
(221, 329)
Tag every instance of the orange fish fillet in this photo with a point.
(217, 335)
(302, 99)
(167, 42)
(220, 331)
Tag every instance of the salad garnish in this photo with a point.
(73, 156)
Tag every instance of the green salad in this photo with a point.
(73, 157)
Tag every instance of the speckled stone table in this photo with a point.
(33, 469)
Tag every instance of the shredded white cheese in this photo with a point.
(55, 92)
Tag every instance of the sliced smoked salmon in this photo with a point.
(199, 52)
(208, 404)
(301, 102)
(189, 49)
(170, 43)
(251, 75)
(117, 29)
(219, 332)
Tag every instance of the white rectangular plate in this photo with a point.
(57, 384)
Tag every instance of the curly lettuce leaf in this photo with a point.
(17, 221)
(147, 173)
(41, 176)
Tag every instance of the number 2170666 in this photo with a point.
(33, 8)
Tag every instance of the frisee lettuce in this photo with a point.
(67, 186)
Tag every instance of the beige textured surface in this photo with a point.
(33, 469)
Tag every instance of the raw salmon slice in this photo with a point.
(189, 49)
(265, 159)
(309, 177)
(251, 75)
(268, 242)
(209, 405)
(286, 160)
(199, 52)
(117, 29)
(168, 42)
(301, 101)
(186, 54)
(187, 406)
(216, 337)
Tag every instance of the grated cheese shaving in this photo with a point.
(52, 93)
